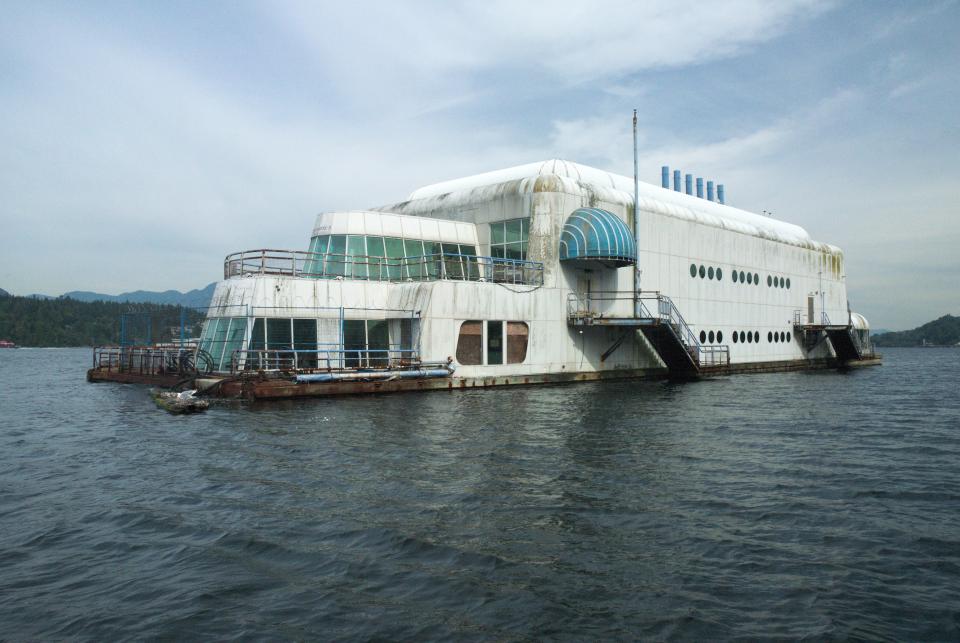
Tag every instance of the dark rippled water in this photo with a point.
(818, 505)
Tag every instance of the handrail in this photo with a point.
(430, 267)
(323, 359)
(666, 312)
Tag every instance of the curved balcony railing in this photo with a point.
(295, 263)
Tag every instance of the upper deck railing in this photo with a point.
(296, 263)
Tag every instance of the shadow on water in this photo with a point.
(816, 504)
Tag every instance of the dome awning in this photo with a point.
(593, 234)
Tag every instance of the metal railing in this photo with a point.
(323, 359)
(653, 306)
(431, 267)
(151, 360)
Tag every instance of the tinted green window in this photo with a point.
(235, 337)
(219, 339)
(278, 334)
(394, 250)
(514, 230)
(378, 342)
(497, 233)
(354, 341)
(357, 249)
(336, 256)
(413, 249)
(375, 250)
(314, 265)
(256, 335)
(509, 238)
(470, 262)
(305, 339)
(433, 251)
(454, 270)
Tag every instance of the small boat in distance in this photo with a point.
(5, 343)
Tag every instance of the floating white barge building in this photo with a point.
(530, 274)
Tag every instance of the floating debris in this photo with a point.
(183, 402)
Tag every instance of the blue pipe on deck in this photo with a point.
(720, 193)
(709, 190)
(699, 187)
(373, 375)
(665, 177)
(676, 180)
(689, 183)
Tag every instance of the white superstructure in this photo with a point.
(527, 271)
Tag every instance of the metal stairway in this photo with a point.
(841, 337)
(666, 330)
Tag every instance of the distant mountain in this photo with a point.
(193, 299)
(4, 293)
(941, 332)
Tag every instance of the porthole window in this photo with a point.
(769, 337)
(719, 336)
(711, 337)
(788, 335)
(735, 278)
(788, 283)
(756, 279)
(749, 337)
(703, 336)
(743, 337)
(776, 282)
(749, 278)
(769, 281)
(719, 274)
(776, 338)
(742, 279)
(693, 270)
(756, 336)
(710, 272)
(703, 272)
(781, 282)
(735, 336)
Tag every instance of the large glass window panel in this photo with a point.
(305, 339)
(378, 342)
(494, 342)
(376, 268)
(433, 251)
(278, 334)
(314, 264)
(354, 342)
(451, 260)
(413, 249)
(517, 333)
(470, 343)
(497, 234)
(514, 250)
(255, 359)
(219, 339)
(235, 337)
(470, 261)
(357, 249)
(336, 256)
(514, 230)
(394, 250)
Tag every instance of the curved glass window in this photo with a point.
(703, 272)
(693, 270)
(734, 276)
(598, 235)
(710, 272)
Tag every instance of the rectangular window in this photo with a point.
(305, 339)
(413, 250)
(313, 266)
(394, 250)
(255, 360)
(336, 256)
(470, 261)
(470, 343)
(357, 251)
(451, 261)
(354, 342)
(376, 268)
(378, 342)
(433, 250)
(494, 342)
(509, 238)
(517, 333)
(235, 337)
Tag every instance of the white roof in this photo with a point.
(389, 224)
(618, 189)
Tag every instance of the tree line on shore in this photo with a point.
(944, 331)
(28, 321)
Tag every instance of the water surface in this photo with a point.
(820, 505)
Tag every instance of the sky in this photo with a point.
(142, 142)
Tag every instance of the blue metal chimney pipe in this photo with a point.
(689, 183)
(676, 180)
(709, 190)
(720, 193)
(699, 187)
(665, 177)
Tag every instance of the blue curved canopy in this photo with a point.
(595, 234)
